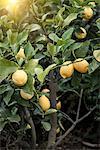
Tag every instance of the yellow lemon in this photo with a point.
(96, 55)
(81, 65)
(19, 77)
(20, 54)
(87, 13)
(25, 95)
(58, 105)
(45, 90)
(57, 130)
(67, 70)
(44, 103)
(81, 34)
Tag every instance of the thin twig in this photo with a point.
(91, 145)
(30, 121)
(67, 116)
(86, 115)
(73, 126)
(79, 104)
(65, 134)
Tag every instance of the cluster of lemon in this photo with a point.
(87, 14)
(44, 102)
(20, 78)
(80, 64)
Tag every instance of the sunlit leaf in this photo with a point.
(70, 18)
(7, 67)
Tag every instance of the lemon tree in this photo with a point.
(49, 51)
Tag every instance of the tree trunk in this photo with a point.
(53, 117)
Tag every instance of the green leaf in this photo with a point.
(12, 37)
(51, 49)
(7, 67)
(28, 87)
(67, 34)
(29, 50)
(50, 111)
(75, 46)
(22, 37)
(53, 37)
(31, 65)
(93, 66)
(46, 125)
(59, 16)
(82, 51)
(2, 125)
(8, 95)
(76, 79)
(33, 27)
(60, 124)
(14, 118)
(4, 88)
(40, 75)
(47, 70)
(4, 45)
(70, 18)
(39, 109)
(23, 102)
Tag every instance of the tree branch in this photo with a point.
(30, 121)
(67, 117)
(86, 115)
(65, 134)
(79, 104)
(76, 121)
(90, 144)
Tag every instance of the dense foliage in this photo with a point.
(46, 33)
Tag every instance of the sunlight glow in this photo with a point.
(12, 2)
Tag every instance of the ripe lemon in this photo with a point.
(58, 105)
(19, 78)
(20, 54)
(25, 95)
(67, 71)
(81, 34)
(44, 102)
(81, 65)
(96, 55)
(45, 90)
(57, 130)
(87, 13)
